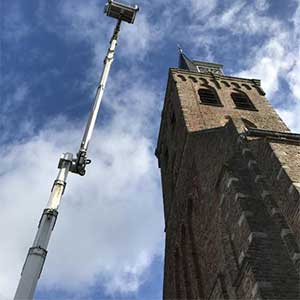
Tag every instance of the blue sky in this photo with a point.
(108, 242)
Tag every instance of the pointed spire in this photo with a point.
(179, 49)
(184, 62)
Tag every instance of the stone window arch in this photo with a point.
(209, 96)
(236, 85)
(242, 101)
(225, 83)
(246, 86)
(193, 79)
(181, 77)
(203, 81)
(259, 90)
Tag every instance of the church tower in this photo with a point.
(230, 172)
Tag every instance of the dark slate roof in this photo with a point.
(198, 66)
(185, 63)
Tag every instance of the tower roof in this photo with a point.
(198, 66)
(185, 63)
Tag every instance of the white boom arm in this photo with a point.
(81, 155)
(37, 253)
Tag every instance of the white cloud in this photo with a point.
(110, 225)
(243, 18)
(270, 63)
(16, 98)
(201, 9)
(140, 38)
(291, 113)
(84, 21)
(136, 101)
(12, 124)
(154, 23)
(293, 75)
(238, 21)
(262, 5)
(291, 117)
(278, 60)
(293, 78)
(110, 222)
(229, 17)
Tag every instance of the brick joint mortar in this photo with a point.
(273, 211)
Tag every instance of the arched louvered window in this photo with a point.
(242, 101)
(209, 96)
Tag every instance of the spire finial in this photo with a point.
(179, 49)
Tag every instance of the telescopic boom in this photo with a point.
(36, 256)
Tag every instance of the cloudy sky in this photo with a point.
(108, 242)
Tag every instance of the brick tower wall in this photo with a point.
(231, 202)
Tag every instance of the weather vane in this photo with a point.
(179, 49)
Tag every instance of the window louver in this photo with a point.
(242, 101)
(208, 96)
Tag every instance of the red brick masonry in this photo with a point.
(231, 202)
